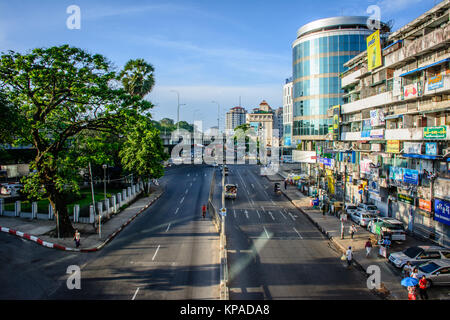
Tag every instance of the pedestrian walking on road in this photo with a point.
(352, 231)
(349, 255)
(412, 293)
(342, 230)
(415, 274)
(77, 238)
(423, 283)
(368, 247)
(407, 269)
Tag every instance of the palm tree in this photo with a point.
(137, 77)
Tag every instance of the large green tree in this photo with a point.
(142, 151)
(64, 96)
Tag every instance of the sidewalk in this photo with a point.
(37, 230)
(391, 288)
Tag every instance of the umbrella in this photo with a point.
(409, 282)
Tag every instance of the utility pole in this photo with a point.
(93, 199)
(178, 108)
(218, 114)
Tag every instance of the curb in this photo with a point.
(63, 248)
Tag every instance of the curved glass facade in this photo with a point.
(318, 60)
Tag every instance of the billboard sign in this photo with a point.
(431, 148)
(435, 132)
(336, 114)
(374, 59)
(442, 211)
(435, 82)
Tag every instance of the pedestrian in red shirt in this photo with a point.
(423, 288)
(411, 293)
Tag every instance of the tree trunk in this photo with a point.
(62, 220)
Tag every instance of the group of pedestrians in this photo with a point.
(422, 286)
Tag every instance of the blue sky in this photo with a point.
(206, 50)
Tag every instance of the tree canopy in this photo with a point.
(73, 107)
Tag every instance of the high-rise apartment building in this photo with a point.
(235, 117)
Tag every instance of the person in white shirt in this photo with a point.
(407, 269)
(349, 255)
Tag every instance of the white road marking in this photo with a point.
(189, 175)
(186, 191)
(205, 174)
(135, 294)
(155, 253)
(190, 184)
(298, 234)
(168, 227)
(283, 215)
(176, 211)
(266, 232)
(258, 214)
(246, 213)
(272, 202)
(181, 201)
(270, 213)
(253, 186)
(263, 208)
(292, 216)
(234, 212)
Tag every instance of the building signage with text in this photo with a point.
(442, 211)
(435, 132)
(405, 198)
(393, 146)
(425, 205)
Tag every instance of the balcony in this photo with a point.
(352, 78)
(404, 134)
(350, 136)
(369, 102)
(418, 46)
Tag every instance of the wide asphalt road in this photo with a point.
(167, 252)
(275, 252)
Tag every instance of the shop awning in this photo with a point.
(420, 156)
(426, 67)
(393, 116)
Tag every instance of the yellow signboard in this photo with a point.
(393, 146)
(374, 51)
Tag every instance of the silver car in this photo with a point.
(362, 217)
(418, 255)
(437, 272)
(369, 207)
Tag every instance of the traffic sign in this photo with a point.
(223, 212)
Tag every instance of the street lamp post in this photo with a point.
(218, 115)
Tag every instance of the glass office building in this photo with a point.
(319, 53)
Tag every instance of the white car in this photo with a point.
(437, 272)
(369, 207)
(418, 255)
(350, 208)
(11, 189)
(362, 217)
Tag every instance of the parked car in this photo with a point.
(437, 272)
(230, 191)
(362, 217)
(369, 207)
(350, 208)
(12, 190)
(418, 255)
(387, 227)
